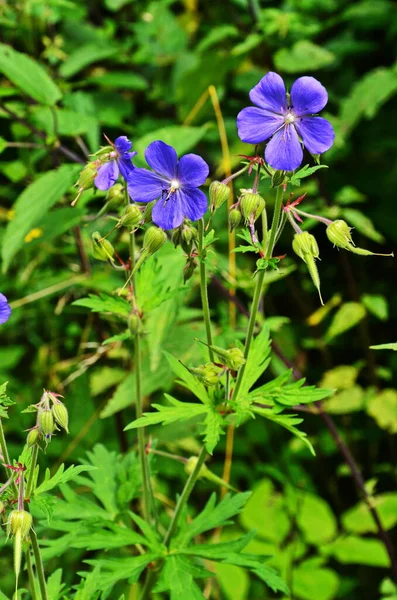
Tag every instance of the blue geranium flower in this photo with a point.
(173, 183)
(120, 163)
(286, 120)
(5, 309)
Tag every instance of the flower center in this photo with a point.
(175, 185)
(289, 117)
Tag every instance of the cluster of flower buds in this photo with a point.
(249, 208)
(233, 358)
(185, 236)
(208, 374)
(51, 412)
(219, 193)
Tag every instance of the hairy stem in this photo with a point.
(31, 577)
(203, 288)
(39, 564)
(29, 485)
(4, 452)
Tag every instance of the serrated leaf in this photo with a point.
(106, 539)
(288, 422)
(55, 585)
(28, 76)
(61, 476)
(104, 303)
(102, 467)
(213, 426)
(5, 401)
(189, 380)
(32, 205)
(88, 588)
(117, 569)
(179, 411)
(221, 550)
(306, 171)
(177, 576)
(257, 361)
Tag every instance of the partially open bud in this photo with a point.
(305, 246)
(232, 358)
(252, 206)
(208, 374)
(153, 239)
(115, 195)
(19, 521)
(339, 234)
(33, 437)
(235, 217)
(219, 192)
(61, 416)
(101, 249)
(131, 217)
(46, 421)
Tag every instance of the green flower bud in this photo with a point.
(101, 249)
(278, 178)
(20, 521)
(305, 246)
(191, 465)
(134, 323)
(46, 421)
(87, 176)
(219, 193)
(147, 213)
(60, 414)
(235, 217)
(33, 437)
(189, 269)
(339, 234)
(189, 233)
(232, 358)
(208, 374)
(115, 195)
(153, 239)
(252, 206)
(131, 216)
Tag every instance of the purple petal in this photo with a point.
(107, 175)
(270, 93)
(5, 309)
(192, 170)
(125, 166)
(122, 144)
(194, 202)
(168, 214)
(255, 125)
(308, 96)
(284, 151)
(317, 134)
(144, 186)
(162, 158)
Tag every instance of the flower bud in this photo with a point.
(153, 239)
(20, 521)
(252, 206)
(278, 178)
(131, 217)
(101, 248)
(189, 269)
(305, 246)
(191, 465)
(339, 234)
(60, 414)
(234, 218)
(208, 374)
(219, 193)
(46, 421)
(232, 358)
(115, 195)
(134, 323)
(189, 233)
(33, 437)
(147, 213)
(87, 176)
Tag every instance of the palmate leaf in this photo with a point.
(219, 551)
(188, 380)
(61, 476)
(279, 392)
(306, 171)
(213, 427)
(114, 536)
(286, 421)
(178, 576)
(257, 361)
(105, 303)
(113, 570)
(179, 411)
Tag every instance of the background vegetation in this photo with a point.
(144, 70)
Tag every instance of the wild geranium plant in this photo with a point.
(171, 550)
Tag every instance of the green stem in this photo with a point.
(33, 461)
(258, 289)
(4, 452)
(31, 577)
(203, 288)
(39, 564)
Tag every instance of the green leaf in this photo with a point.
(105, 303)
(383, 408)
(347, 401)
(179, 411)
(391, 346)
(28, 76)
(274, 523)
(182, 138)
(61, 476)
(303, 56)
(32, 205)
(219, 551)
(106, 539)
(377, 305)
(348, 316)
(353, 550)
(84, 56)
(119, 80)
(360, 520)
(316, 520)
(363, 224)
(88, 588)
(151, 535)
(213, 426)
(279, 391)
(177, 576)
(288, 422)
(102, 465)
(311, 581)
(5, 401)
(234, 581)
(188, 379)
(55, 585)
(257, 361)
(306, 171)
(113, 570)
